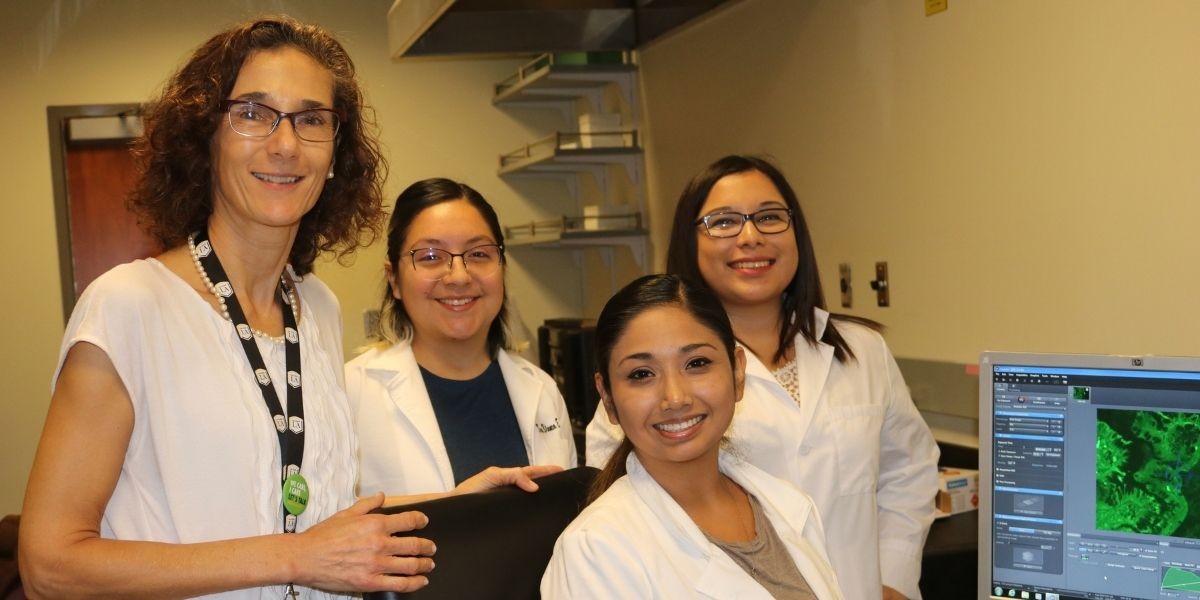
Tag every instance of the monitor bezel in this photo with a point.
(987, 361)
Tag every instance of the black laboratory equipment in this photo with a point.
(567, 350)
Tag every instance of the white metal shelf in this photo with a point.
(545, 82)
(634, 239)
(565, 152)
(586, 231)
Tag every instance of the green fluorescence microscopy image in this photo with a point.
(1146, 472)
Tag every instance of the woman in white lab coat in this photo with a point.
(677, 517)
(825, 406)
(444, 399)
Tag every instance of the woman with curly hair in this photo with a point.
(198, 440)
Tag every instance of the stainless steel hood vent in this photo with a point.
(474, 27)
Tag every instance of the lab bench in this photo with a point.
(949, 561)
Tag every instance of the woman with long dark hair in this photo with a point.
(674, 516)
(442, 398)
(826, 407)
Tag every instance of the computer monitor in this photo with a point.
(1089, 477)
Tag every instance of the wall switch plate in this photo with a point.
(844, 284)
(880, 284)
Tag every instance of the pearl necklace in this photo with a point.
(290, 290)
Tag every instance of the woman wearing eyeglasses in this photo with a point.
(825, 406)
(443, 399)
(199, 440)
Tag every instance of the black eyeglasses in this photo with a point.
(253, 119)
(729, 224)
(435, 263)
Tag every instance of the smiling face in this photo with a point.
(672, 387)
(460, 306)
(272, 181)
(752, 268)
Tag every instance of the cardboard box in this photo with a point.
(615, 217)
(958, 491)
(603, 123)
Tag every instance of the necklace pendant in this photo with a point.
(295, 493)
(290, 593)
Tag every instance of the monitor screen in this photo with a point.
(1089, 477)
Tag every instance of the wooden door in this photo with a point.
(103, 232)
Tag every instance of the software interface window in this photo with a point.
(1095, 486)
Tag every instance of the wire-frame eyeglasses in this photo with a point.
(729, 224)
(255, 119)
(435, 263)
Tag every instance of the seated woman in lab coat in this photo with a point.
(444, 399)
(676, 516)
(826, 406)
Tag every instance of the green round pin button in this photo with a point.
(295, 494)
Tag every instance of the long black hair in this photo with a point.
(802, 294)
(410, 203)
(642, 294)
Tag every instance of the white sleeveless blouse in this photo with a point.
(203, 459)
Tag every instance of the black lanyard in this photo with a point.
(290, 426)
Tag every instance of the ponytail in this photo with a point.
(613, 470)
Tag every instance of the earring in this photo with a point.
(330, 174)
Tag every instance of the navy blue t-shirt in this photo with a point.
(478, 424)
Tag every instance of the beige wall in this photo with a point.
(436, 119)
(1027, 168)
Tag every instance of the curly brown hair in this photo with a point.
(173, 194)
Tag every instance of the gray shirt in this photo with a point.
(766, 559)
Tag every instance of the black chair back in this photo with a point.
(495, 544)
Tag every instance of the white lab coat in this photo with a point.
(635, 541)
(856, 444)
(400, 445)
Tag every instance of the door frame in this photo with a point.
(57, 118)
